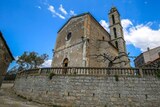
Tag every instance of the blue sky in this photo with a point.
(32, 25)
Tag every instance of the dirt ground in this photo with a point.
(9, 99)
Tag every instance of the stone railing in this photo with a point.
(93, 71)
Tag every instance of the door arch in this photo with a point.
(65, 62)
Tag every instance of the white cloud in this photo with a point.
(47, 63)
(141, 35)
(39, 7)
(51, 9)
(126, 23)
(104, 24)
(54, 13)
(59, 15)
(61, 8)
(16, 58)
(72, 13)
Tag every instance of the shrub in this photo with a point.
(51, 75)
(116, 77)
(158, 73)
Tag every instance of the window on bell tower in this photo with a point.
(113, 20)
(116, 44)
(115, 32)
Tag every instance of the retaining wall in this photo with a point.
(98, 87)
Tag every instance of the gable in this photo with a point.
(81, 15)
(74, 17)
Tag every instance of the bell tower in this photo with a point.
(117, 38)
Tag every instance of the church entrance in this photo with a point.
(65, 65)
(65, 62)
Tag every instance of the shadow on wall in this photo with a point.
(10, 77)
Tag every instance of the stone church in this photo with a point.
(83, 42)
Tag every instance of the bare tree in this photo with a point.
(103, 57)
(154, 64)
(113, 60)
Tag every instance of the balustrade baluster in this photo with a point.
(129, 71)
(132, 72)
(55, 71)
(96, 71)
(61, 71)
(89, 71)
(80, 70)
(86, 71)
(93, 71)
(68, 71)
(102, 71)
(106, 71)
(118, 70)
(148, 72)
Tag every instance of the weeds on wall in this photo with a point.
(51, 75)
(158, 73)
(116, 77)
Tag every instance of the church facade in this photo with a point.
(83, 42)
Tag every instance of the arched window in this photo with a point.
(103, 38)
(113, 20)
(110, 64)
(115, 32)
(116, 44)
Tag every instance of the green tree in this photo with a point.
(31, 60)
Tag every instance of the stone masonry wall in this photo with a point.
(5, 59)
(98, 45)
(90, 90)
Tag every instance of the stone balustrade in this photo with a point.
(94, 71)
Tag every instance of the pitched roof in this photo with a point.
(1, 36)
(146, 52)
(158, 47)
